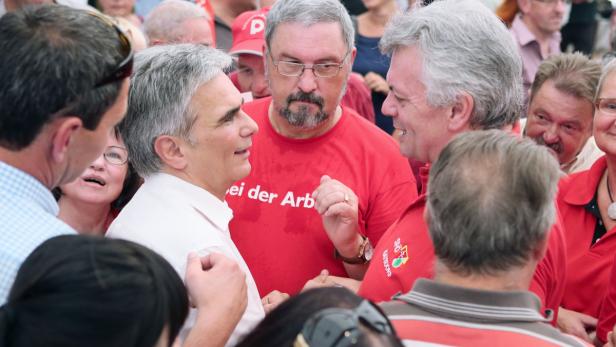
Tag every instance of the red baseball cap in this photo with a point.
(248, 31)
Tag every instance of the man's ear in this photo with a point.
(61, 137)
(169, 150)
(460, 114)
(542, 247)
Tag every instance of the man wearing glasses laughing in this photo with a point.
(62, 92)
(307, 140)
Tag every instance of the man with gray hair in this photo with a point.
(443, 82)
(307, 138)
(486, 252)
(189, 139)
(178, 21)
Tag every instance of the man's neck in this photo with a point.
(514, 280)
(198, 181)
(542, 37)
(282, 126)
(31, 162)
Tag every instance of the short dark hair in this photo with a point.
(92, 291)
(52, 58)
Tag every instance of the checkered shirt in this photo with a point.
(27, 218)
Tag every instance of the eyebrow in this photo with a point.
(230, 114)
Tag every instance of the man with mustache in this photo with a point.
(560, 110)
(307, 139)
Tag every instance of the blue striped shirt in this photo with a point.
(27, 218)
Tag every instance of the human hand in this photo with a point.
(216, 284)
(611, 338)
(375, 82)
(338, 207)
(322, 280)
(576, 323)
(273, 299)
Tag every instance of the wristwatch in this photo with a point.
(364, 255)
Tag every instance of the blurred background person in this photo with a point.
(134, 32)
(120, 8)
(536, 30)
(178, 21)
(369, 61)
(91, 202)
(225, 11)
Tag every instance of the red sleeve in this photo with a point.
(358, 97)
(607, 314)
(548, 281)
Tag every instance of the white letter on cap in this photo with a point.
(256, 26)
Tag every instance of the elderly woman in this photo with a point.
(586, 202)
(91, 202)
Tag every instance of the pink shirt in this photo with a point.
(530, 50)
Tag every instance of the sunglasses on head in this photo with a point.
(125, 68)
(340, 327)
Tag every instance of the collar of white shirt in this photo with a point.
(203, 201)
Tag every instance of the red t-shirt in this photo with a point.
(588, 266)
(405, 253)
(275, 226)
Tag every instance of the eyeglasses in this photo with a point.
(338, 327)
(554, 2)
(324, 70)
(606, 105)
(116, 155)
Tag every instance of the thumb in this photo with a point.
(325, 178)
(193, 262)
(588, 320)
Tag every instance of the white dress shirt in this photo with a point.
(174, 217)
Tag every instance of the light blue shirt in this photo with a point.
(27, 218)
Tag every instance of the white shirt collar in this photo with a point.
(203, 201)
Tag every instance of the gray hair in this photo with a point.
(165, 20)
(465, 48)
(163, 83)
(608, 69)
(486, 229)
(310, 12)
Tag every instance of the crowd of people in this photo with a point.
(285, 173)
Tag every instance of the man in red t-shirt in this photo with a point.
(307, 140)
(248, 42)
(444, 82)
